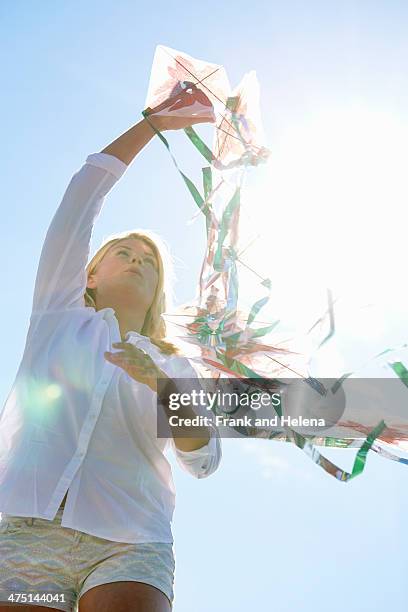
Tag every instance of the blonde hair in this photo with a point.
(154, 326)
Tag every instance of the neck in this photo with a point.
(129, 322)
(128, 319)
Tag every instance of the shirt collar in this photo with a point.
(133, 334)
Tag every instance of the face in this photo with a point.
(127, 275)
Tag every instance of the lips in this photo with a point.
(137, 272)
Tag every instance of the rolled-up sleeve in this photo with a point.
(203, 461)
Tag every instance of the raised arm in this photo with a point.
(61, 275)
(128, 145)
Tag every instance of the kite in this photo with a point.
(225, 337)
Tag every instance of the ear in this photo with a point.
(91, 282)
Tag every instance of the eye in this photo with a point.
(120, 252)
(154, 263)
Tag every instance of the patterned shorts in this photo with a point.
(54, 566)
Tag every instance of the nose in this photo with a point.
(139, 259)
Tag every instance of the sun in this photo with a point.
(330, 209)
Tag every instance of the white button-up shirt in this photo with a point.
(75, 422)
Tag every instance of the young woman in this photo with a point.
(86, 492)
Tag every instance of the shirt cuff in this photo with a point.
(197, 461)
(108, 162)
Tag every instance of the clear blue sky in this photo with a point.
(269, 530)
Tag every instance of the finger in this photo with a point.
(135, 361)
(115, 356)
(166, 103)
(203, 120)
(131, 359)
(125, 362)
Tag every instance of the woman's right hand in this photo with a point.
(182, 110)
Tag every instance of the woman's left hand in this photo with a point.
(163, 119)
(136, 363)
